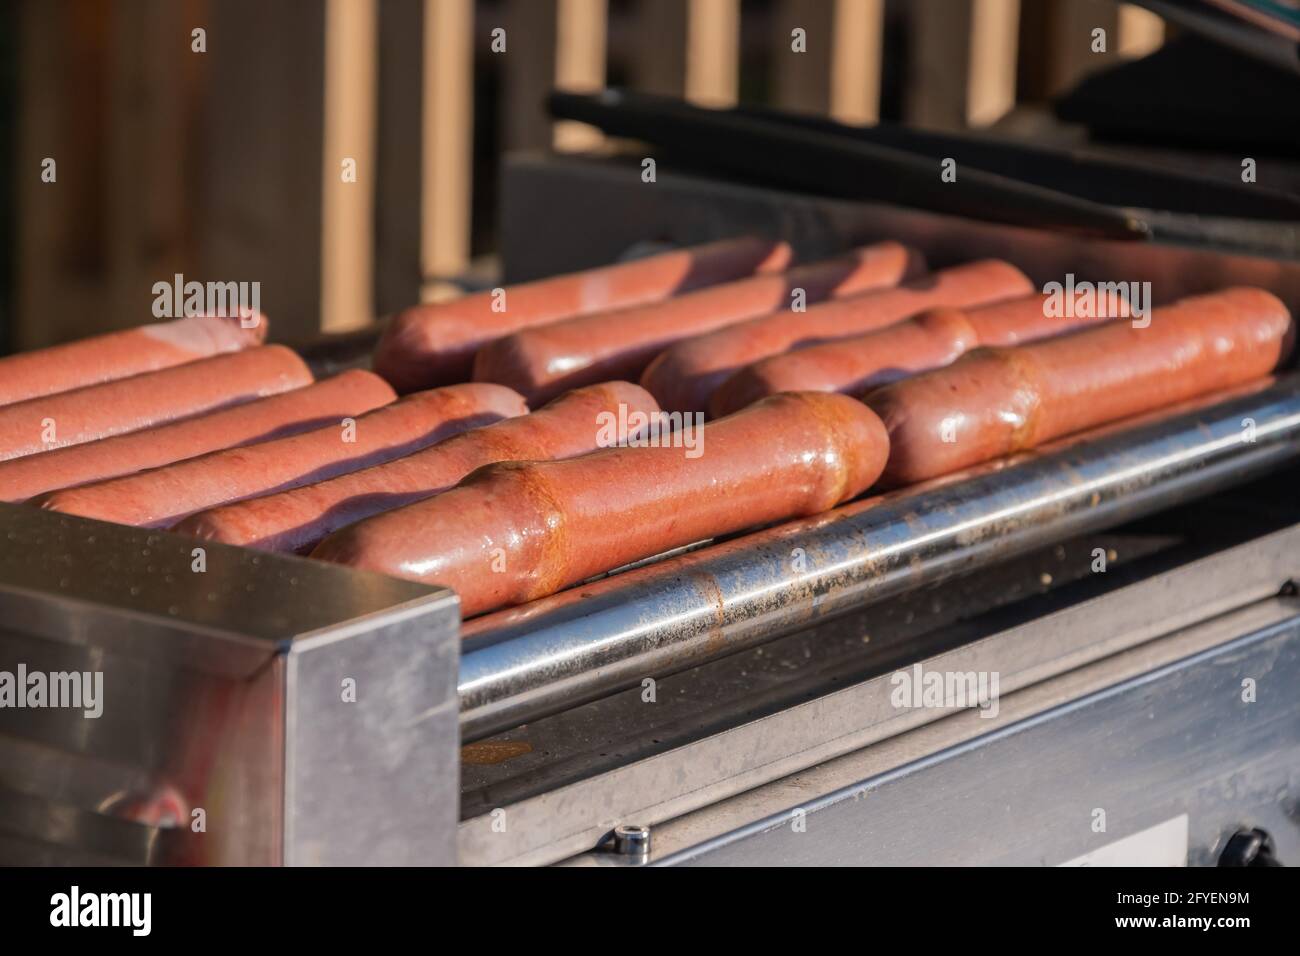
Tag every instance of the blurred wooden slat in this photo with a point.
(10, 153)
(41, 49)
(399, 155)
(347, 216)
(1140, 31)
(658, 58)
(713, 52)
(995, 31)
(154, 79)
(802, 80)
(61, 267)
(1069, 38)
(581, 40)
(963, 62)
(839, 74)
(529, 65)
(939, 60)
(261, 192)
(857, 61)
(117, 117)
(448, 143)
(1033, 67)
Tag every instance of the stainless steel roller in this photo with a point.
(553, 654)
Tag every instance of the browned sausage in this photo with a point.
(129, 404)
(686, 375)
(541, 362)
(162, 496)
(930, 340)
(302, 409)
(993, 402)
(296, 520)
(513, 532)
(103, 358)
(434, 344)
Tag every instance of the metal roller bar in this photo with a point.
(591, 641)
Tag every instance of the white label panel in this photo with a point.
(1164, 844)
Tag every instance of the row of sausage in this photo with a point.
(889, 376)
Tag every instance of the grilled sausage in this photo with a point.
(129, 404)
(930, 340)
(104, 358)
(434, 344)
(296, 520)
(993, 402)
(516, 531)
(541, 362)
(685, 376)
(302, 409)
(162, 496)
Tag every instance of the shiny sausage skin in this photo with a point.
(142, 401)
(685, 376)
(993, 402)
(298, 519)
(434, 344)
(162, 496)
(541, 362)
(105, 358)
(517, 531)
(302, 409)
(930, 340)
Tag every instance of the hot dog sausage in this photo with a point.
(434, 344)
(541, 362)
(686, 375)
(516, 531)
(103, 358)
(288, 413)
(162, 496)
(930, 340)
(128, 404)
(296, 520)
(993, 402)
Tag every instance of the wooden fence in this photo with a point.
(328, 148)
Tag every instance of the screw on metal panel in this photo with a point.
(632, 840)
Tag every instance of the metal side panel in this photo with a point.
(372, 757)
(251, 708)
(1171, 760)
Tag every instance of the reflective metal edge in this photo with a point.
(591, 641)
(151, 594)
